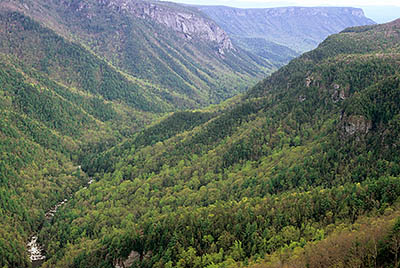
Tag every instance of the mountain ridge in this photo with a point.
(308, 152)
(296, 28)
(140, 46)
(269, 173)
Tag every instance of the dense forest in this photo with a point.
(302, 170)
(61, 103)
(55, 108)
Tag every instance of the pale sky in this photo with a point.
(250, 3)
(379, 10)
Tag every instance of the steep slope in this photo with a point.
(73, 65)
(37, 130)
(171, 46)
(280, 34)
(77, 76)
(58, 103)
(62, 101)
(306, 153)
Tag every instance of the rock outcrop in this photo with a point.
(355, 125)
(190, 24)
(133, 256)
(338, 93)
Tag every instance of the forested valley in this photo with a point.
(301, 170)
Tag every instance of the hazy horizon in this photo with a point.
(379, 11)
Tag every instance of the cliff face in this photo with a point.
(189, 24)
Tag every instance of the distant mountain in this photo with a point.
(301, 171)
(280, 34)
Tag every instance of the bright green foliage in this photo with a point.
(66, 99)
(45, 120)
(310, 148)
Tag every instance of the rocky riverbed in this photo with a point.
(35, 250)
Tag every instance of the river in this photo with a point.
(35, 250)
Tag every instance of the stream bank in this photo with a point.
(35, 250)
